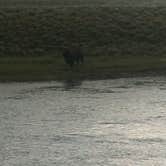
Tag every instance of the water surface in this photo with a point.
(91, 123)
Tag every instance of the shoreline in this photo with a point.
(53, 68)
(89, 77)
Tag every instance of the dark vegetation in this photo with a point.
(100, 31)
(55, 3)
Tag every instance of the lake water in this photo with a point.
(118, 122)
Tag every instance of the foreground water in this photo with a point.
(91, 123)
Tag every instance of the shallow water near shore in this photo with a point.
(91, 123)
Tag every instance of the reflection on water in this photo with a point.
(70, 84)
(108, 122)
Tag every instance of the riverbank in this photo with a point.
(95, 67)
(117, 42)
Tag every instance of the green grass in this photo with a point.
(99, 67)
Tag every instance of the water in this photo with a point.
(91, 123)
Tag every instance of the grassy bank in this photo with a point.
(117, 41)
(98, 67)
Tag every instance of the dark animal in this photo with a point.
(78, 56)
(68, 58)
(72, 57)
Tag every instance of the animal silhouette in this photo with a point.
(73, 56)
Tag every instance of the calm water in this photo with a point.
(119, 122)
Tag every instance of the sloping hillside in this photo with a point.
(101, 31)
(55, 3)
